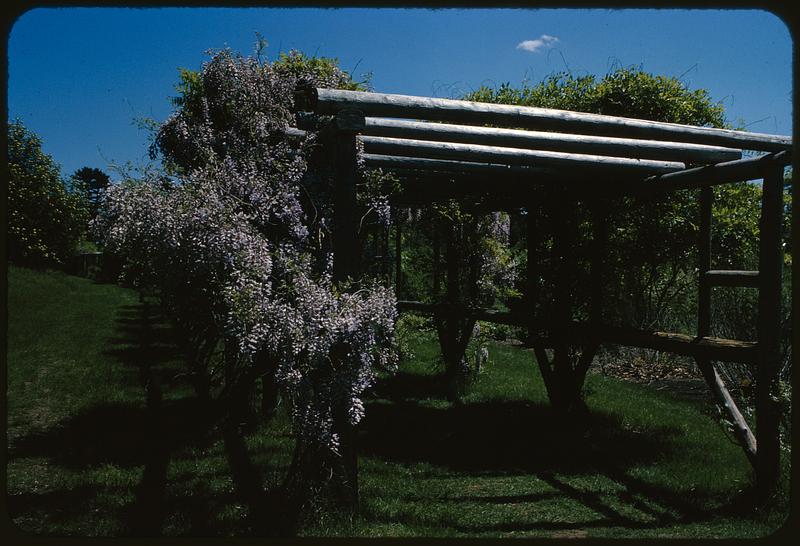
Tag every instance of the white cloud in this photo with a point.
(541, 42)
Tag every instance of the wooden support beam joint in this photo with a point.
(715, 277)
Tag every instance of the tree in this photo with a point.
(471, 259)
(92, 182)
(45, 219)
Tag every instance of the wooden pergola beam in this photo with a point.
(423, 166)
(730, 278)
(330, 101)
(751, 168)
(507, 176)
(727, 350)
(515, 156)
(560, 142)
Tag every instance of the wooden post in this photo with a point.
(599, 209)
(346, 265)
(706, 365)
(386, 268)
(452, 286)
(532, 283)
(346, 255)
(398, 252)
(769, 318)
(704, 255)
(599, 247)
(436, 258)
(532, 301)
(564, 266)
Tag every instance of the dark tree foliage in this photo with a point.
(92, 182)
(46, 220)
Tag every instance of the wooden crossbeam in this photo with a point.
(560, 142)
(727, 350)
(716, 277)
(425, 166)
(751, 168)
(514, 156)
(330, 101)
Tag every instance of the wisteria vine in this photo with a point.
(236, 243)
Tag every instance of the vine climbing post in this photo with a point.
(346, 265)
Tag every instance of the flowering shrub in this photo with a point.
(237, 244)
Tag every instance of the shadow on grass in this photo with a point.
(143, 432)
(145, 342)
(505, 437)
(404, 386)
(524, 438)
(118, 433)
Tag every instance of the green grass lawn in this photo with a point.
(89, 455)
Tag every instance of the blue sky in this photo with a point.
(79, 76)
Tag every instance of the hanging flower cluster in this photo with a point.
(498, 267)
(482, 242)
(237, 242)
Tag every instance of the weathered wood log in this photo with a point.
(487, 315)
(531, 296)
(346, 251)
(599, 209)
(436, 261)
(398, 250)
(727, 350)
(564, 390)
(559, 142)
(423, 166)
(330, 101)
(350, 119)
(751, 168)
(420, 196)
(346, 265)
(416, 306)
(514, 156)
(704, 255)
(608, 183)
(723, 397)
(716, 277)
(769, 321)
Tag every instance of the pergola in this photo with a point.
(441, 148)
